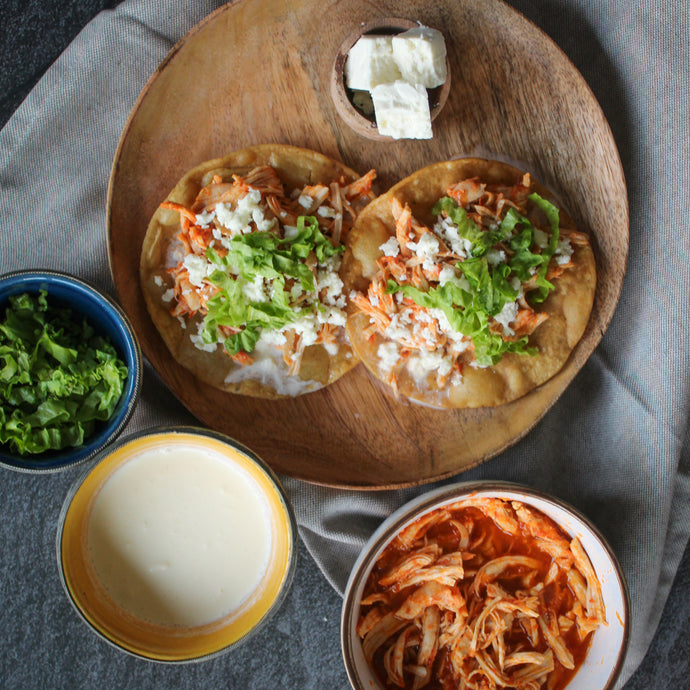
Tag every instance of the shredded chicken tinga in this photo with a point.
(240, 269)
(480, 290)
(480, 594)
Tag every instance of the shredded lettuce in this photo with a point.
(551, 213)
(466, 315)
(491, 285)
(58, 377)
(267, 256)
(467, 228)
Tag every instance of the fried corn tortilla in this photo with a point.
(240, 269)
(468, 286)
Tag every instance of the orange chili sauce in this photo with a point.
(493, 543)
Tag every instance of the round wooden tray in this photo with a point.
(258, 71)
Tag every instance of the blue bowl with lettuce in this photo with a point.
(70, 371)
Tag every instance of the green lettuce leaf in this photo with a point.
(58, 379)
(552, 215)
(491, 284)
(262, 254)
(466, 315)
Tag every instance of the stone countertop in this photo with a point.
(300, 647)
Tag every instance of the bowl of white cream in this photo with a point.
(177, 544)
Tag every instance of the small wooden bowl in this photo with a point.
(342, 95)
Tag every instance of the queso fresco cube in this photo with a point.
(420, 54)
(370, 62)
(402, 110)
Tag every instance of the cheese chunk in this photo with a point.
(370, 62)
(420, 54)
(402, 110)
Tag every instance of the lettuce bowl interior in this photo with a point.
(107, 319)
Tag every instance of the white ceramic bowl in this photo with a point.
(607, 650)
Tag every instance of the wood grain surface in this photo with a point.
(259, 71)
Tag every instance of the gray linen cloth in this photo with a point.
(615, 445)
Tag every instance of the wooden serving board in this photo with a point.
(258, 71)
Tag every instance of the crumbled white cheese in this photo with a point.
(306, 326)
(262, 223)
(197, 268)
(450, 275)
(305, 201)
(516, 284)
(506, 316)
(424, 317)
(331, 282)
(248, 210)
(390, 247)
(332, 263)
(388, 355)
(495, 257)
(270, 336)
(458, 341)
(158, 281)
(331, 315)
(398, 329)
(326, 212)
(447, 275)
(402, 110)
(206, 218)
(256, 290)
(226, 216)
(564, 251)
(290, 231)
(420, 54)
(370, 62)
(406, 316)
(168, 295)
(448, 231)
(426, 248)
(541, 238)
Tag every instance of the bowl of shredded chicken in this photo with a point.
(485, 585)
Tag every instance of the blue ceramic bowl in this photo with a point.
(107, 318)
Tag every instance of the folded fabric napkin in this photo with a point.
(615, 445)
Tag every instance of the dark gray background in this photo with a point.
(299, 648)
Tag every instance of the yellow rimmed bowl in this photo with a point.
(81, 538)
